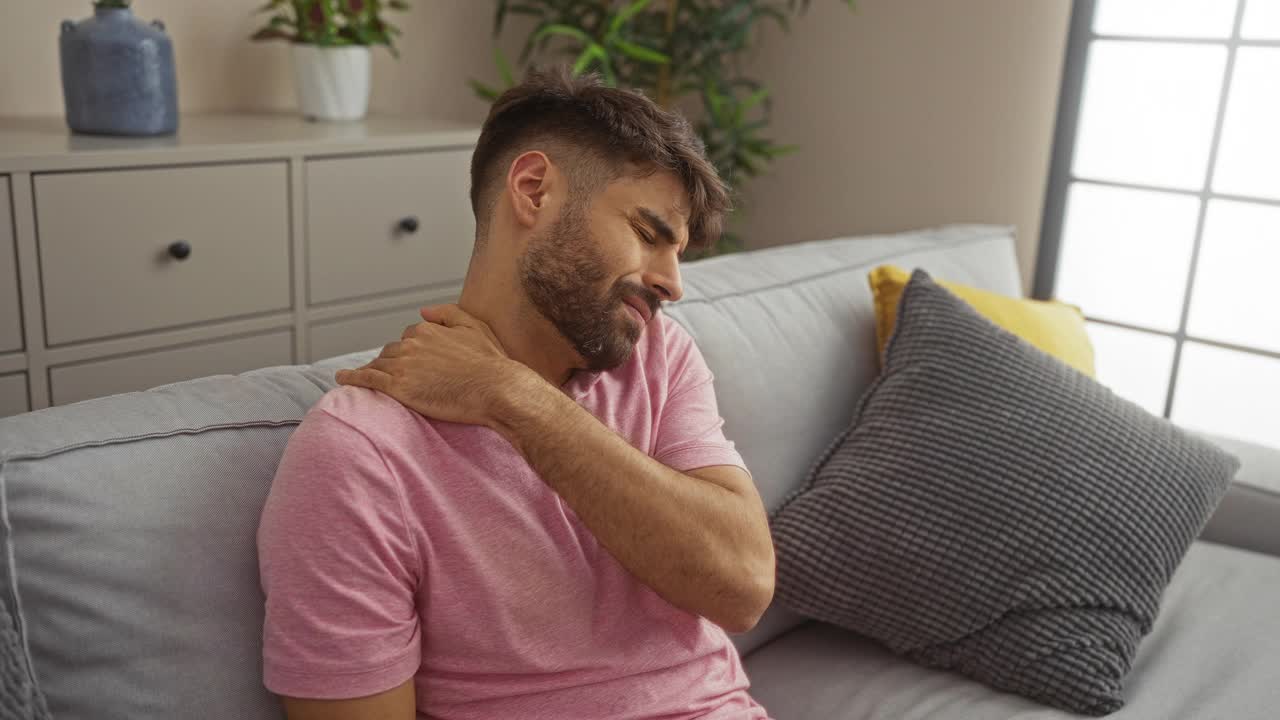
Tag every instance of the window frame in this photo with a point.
(1080, 38)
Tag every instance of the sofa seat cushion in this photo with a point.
(1213, 653)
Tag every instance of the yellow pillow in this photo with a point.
(1055, 327)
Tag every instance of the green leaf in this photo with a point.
(755, 98)
(641, 53)
(398, 5)
(610, 77)
(780, 150)
(592, 54)
(582, 63)
(626, 14)
(715, 103)
(499, 15)
(484, 91)
(270, 34)
(565, 30)
(504, 67)
(595, 53)
(747, 164)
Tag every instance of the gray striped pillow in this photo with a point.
(994, 512)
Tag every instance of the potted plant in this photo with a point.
(330, 41)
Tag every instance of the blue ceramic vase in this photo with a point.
(117, 75)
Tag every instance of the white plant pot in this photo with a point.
(333, 82)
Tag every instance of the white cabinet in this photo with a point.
(10, 316)
(241, 242)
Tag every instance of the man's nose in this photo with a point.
(663, 277)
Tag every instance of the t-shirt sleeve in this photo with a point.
(338, 567)
(690, 430)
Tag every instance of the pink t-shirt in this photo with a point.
(394, 547)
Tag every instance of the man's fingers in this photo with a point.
(366, 377)
(386, 365)
(454, 316)
(383, 363)
(447, 315)
(432, 313)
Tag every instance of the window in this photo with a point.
(1162, 219)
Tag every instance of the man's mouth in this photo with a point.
(640, 307)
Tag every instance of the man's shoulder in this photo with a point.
(671, 345)
(660, 362)
(666, 337)
(384, 423)
(356, 404)
(368, 412)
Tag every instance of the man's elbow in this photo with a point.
(752, 597)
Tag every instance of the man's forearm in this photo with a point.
(700, 545)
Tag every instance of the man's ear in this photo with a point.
(527, 186)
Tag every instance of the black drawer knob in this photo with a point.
(180, 250)
(408, 224)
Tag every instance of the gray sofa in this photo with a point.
(130, 520)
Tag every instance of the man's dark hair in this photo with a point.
(596, 133)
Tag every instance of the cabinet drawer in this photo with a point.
(105, 238)
(10, 325)
(355, 244)
(367, 332)
(13, 394)
(72, 383)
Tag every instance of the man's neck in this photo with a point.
(525, 335)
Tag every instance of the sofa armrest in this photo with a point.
(1249, 515)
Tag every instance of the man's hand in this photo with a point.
(449, 367)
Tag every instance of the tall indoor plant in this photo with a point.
(673, 50)
(330, 41)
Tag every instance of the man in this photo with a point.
(526, 507)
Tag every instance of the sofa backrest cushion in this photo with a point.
(132, 522)
(791, 337)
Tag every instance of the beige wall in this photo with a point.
(444, 43)
(911, 113)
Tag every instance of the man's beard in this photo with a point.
(563, 272)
